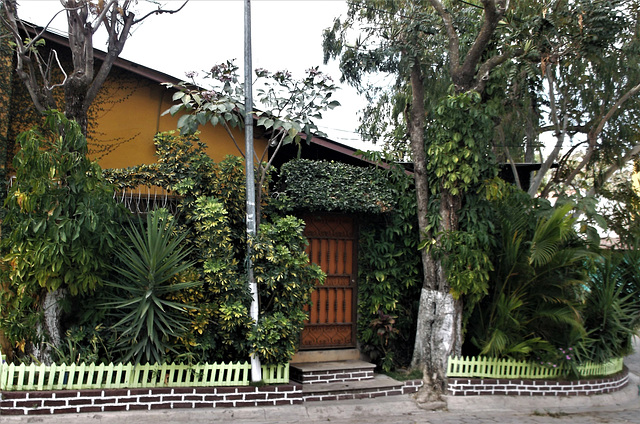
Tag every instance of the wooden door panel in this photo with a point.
(332, 315)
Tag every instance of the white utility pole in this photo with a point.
(256, 369)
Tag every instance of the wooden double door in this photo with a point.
(332, 315)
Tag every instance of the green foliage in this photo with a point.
(285, 281)
(389, 273)
(532, 307)
(212, 215)
(611, 312)
(150, 258)
(333, 187)
(461, 166)
(60, 226)
(458, 143)
(60, 212)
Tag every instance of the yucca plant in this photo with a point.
(150, 258)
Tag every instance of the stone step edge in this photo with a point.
(332, 366)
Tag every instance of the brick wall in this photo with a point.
(74, 401)
(332, 376)
(459, 386)
(78, 401)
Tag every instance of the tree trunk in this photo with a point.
(440, 322)
(50, 330)
(439, 315)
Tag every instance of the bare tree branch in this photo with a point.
(614, 168)
(160, 11)
(595, 133)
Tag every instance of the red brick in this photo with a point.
(138, 392)
(160, 391)
(92, 393)
(283, 402)
(233, 397)
(127, 400)
(247, 389)
(12, 412)
(245, 403)
(79, 401)
(224, 390)
(66, 394)
(14, 395)
(138, 407)
(40, 395)
(149, 399)
(276, 396)
(206, 390)
(116, 392)
(103, 401)
(65, 411)
(213, 398)
(160, 406)
(29, 403)
(44, 411)
(90, 409)
(224, 405)
(203, 404)
(115, 408)
(255, 396)
(177, 405)
(183, 390)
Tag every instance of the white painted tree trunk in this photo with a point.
(438, 335)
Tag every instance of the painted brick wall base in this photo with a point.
(338, 376)
(458, 386)
(91, 401)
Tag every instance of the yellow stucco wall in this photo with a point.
(129, 113)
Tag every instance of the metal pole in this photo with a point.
(256, 370)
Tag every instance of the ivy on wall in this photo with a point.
(333, 187)
(389, 267)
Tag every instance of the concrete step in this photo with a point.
(379, 386)
(312, 373)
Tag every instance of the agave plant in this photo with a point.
(150, 258)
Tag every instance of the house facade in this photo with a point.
(130, 110)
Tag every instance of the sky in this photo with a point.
(286, 34)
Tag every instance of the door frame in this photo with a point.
(353, 237)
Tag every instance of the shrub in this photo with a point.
(285, 281)
(149, 260)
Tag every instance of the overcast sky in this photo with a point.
(286, 35)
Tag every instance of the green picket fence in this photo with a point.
(119, 376)
(484, 367)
